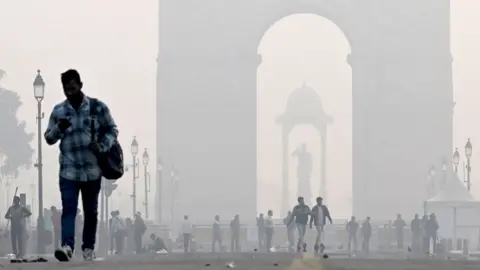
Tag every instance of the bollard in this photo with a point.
(465, 247)
(449, 244)
(442, 247)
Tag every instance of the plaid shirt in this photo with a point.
(77, 161)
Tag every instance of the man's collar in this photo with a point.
(85, 102)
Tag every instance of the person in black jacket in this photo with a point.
(431, 229)
(139, 229)
(300, 214)
(319, 216)
(235, 227)
(367, 234)
(416, 228)
(352, 229)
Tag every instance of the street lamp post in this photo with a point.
(134, 149)
(108, 233)
(103, 215)
(159, 189)
(430, 187)
(39, 94)
(468, 154)
(456, 159)
(146, 159)
(173, 177)
(431, 176)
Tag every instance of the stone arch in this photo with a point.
(333, 12)
(207, 86)
(338, 16)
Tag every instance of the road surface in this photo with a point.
(248, 261)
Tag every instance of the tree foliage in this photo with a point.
(15, 149)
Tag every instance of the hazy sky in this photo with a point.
(114, 45)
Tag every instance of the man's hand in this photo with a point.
(63, 124)
(95, 147)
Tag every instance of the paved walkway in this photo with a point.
(247, 261)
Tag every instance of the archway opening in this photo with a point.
(297, 50)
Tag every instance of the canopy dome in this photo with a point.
(304, 106)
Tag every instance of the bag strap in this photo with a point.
(93, 103)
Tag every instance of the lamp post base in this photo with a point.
(40, 236)
(102, 247)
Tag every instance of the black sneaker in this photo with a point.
(63, 254)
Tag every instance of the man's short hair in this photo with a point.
(71, 75)
(319, 199)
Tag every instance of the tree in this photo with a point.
(15, 149)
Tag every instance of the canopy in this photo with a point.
(454, 195)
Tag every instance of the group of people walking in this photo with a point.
(302, 216)
(217, 235)
(298, 219)
(353, 228)
(424, 234)
(126, 235)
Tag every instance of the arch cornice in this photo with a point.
(212, 57)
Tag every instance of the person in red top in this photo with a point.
(57, 226)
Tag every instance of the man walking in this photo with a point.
(320, 214)
(367, 234)
(399, 225)
(352, 228)
(17, 214)
(432, 229)
(217, 233)
(85, 128)
(235, 234)
(118, 232)
(290, 231)
(139, 229)
(261, 232)
(187, 231)
(300, 213)
(415, 227)
(269, 230)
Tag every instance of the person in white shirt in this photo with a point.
(290, 231)
(187, 230)
(269, 229)
(118, 231)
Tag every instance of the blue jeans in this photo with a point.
(69, 192)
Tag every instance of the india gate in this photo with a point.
(402, 100)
